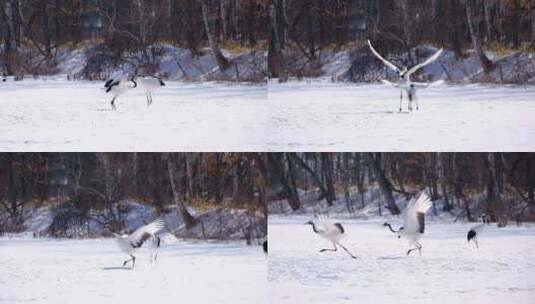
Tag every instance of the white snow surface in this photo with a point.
(449, 270)
(324, 116)
(60, 115)
(89, 271)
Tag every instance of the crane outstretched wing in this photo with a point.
(386, 62)
(414, 213)
(395, 85)
(331, 228)
(144, 232)
(426, 62)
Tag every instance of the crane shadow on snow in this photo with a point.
(392, 258)
(381, 112)
(116, 268)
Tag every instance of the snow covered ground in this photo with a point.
(88, 271)
(502, 270)
(324, 116)
(60, 115)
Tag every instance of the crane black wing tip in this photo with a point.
(471, 234)
(108, 82)
(340, 227)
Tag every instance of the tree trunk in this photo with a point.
(327, 167)
(276, 163)
(313, 174)
(488, 21)
(532, 19)
(285, 24)
(274, 54)
(516, 23)
(189, 220)
(46, 33)
(486, 64)
(222, 61)
(442, 180)
(236, 20)
(384, 184)
(310, 31)
(223, 9)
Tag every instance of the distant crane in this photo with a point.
(119, 87)
(130, 243)
(476, 230)
(149, 84)
(413, 221)
(332, 232)
(404, 82)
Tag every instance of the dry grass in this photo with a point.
(203, 205)
(238, 48)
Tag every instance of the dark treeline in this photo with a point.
(82, 184)
(122, 27)
(500, 184)
(310, 26)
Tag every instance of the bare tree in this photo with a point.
(222, 61)
(189, 220)
(486, 64)
(374, 161)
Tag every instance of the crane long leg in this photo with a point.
(132, 259)
(335, 249)
(418, 247)
(113, 103)
(400, 99)
(150, 94)
(350, 254)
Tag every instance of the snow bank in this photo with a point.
(173, 63)
(227, 224)
(359, 65)
(218, 223)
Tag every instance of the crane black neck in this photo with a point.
(390, 227)
(314, 227)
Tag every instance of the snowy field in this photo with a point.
(89, 271)
(322, 116)
(502, 270)
(60, 115)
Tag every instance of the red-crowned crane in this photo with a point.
(413, 221)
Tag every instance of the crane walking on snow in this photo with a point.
(149, 84)
(476, 230)
(130, 243)
(413, 221)
(404, 82)
(119, 87)
(332, 232)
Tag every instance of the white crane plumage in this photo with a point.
(332, 232)
(130, 243)
(404, 82)
(413, 221)
(118, 87)
(149, 84)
